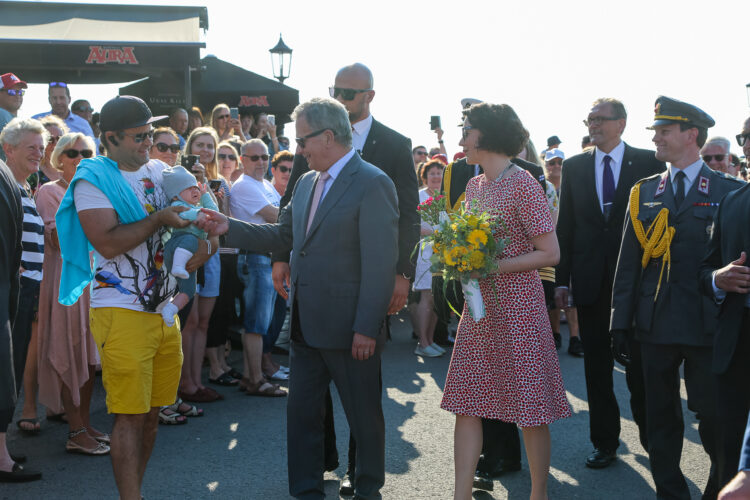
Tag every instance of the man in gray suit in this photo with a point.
(342, 228)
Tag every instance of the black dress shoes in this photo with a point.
(483, 481)
(575, 348)
(600, 459)
(347, 485)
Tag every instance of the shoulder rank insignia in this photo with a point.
(703, 185)
(651, 204)
(662, 185)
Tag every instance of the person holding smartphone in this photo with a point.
(226, 123)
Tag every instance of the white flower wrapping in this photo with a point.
(473, 297)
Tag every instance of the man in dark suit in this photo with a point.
(725, 277)
(674, 323)
(391, 152)
(11, 225)
(342, 223)
(593, 197)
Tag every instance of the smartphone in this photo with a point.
(214, 185)
(188, 161)
(234, 113)
(272, 120)
(434, 122)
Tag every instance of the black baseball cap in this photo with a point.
(124, 112)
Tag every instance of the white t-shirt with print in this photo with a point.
(136, 279)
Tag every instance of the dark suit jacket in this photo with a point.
(391, 152)
(343, 270)
(729, 238)
(680, 314)
(589, 245)
(11, 227)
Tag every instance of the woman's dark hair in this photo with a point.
(427, 166)
(281, 156)
(500, 129)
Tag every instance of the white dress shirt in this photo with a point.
(360, 131)
(334, 172)
(691, 173)
(616, 165)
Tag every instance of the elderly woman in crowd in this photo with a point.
(229, 162)
(431, 174)
(23, 142)
(227, 128)
(47, 172)
(67, 352)
(166, 146)
(254, 199)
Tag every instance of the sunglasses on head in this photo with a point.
(139, 138)
(58, 84)
(301, 141)
(230, 156)
(284, 169)
(346, 94)
(255, 157)
(15, 92)
(163, 147)
(73, 153)
(742, 138)
(708, 158)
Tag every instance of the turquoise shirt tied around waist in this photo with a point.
(77, 268)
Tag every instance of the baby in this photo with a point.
(182, 189)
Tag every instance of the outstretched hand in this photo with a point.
(214, 223)
(735, 276)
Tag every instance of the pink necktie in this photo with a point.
(319, 187)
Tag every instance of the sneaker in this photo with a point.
(558, 340)
(426, 352)
(438, 348)
(575, 348)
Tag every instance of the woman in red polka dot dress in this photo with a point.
(505, 366)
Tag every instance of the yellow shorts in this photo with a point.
(141, 358)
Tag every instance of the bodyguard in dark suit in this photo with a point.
(342, 224)
(656, 289)
(725, 278)
(593, 198)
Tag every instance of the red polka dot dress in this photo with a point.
(505, 366)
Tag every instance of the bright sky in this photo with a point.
(548, 60)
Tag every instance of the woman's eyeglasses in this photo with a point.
(223, 156)
(708, 158)
(255, 157)
(163, 147)
(73, 153)
(284, 170)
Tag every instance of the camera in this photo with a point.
(188, 161)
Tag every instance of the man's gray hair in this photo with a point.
(618, 108)
(720, 141)
(253, 142)
(14, 131)
(325, 113)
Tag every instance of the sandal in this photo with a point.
(235, 374)
(73, 447)
(192, 411)
(196, 397)
(36, 429)
(173, 418)
(58, 417)
(224, 379)
(271, 391)
(280, 375)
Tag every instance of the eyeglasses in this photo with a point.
(284, 170)
(58, 84)
(346, 94)
(163, 147)
(223, 156)
(598, 120)
(139, 138)
(84, 110)
(708, 158)
(465, 131)
(742, 138)
(222, 117)
(255, 157)
(19, 92)
(421, 153)
(53, 139)
(555, 161)
(73, 153)
(302, 140)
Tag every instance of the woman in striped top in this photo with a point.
(23, 142)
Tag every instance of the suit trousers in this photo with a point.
(665, 424)
(358, 384)
(598, 363)
(500, 444)
(733, 404)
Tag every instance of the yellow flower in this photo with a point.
(472, 220)
(448, 256)
(477, 259)
(454, 226)
(484, 225)
(477, 236)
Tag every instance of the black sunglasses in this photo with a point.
(302, 140)
(346, 94)
(58, 84)
(708, 158)
(163, 147)
(53, 139)
(73, 153)
(139, 138)
(255, 157)
(223, 156)
(598, 120)
(742, 139)
(14, 91)
(421, 152)
(284, 170)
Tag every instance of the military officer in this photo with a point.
(656, 296)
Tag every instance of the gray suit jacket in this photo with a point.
(343, 270)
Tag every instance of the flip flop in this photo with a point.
(29, 432)
(224, 379)
(58, 417)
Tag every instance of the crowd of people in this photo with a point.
(120, 222)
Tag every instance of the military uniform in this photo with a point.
(656, 297)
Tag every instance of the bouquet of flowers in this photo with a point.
(463, 247)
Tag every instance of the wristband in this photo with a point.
(440, 141)
(209, 247)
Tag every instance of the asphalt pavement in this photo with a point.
(237, 450)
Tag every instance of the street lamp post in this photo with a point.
(747, 88)
(281, 60)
